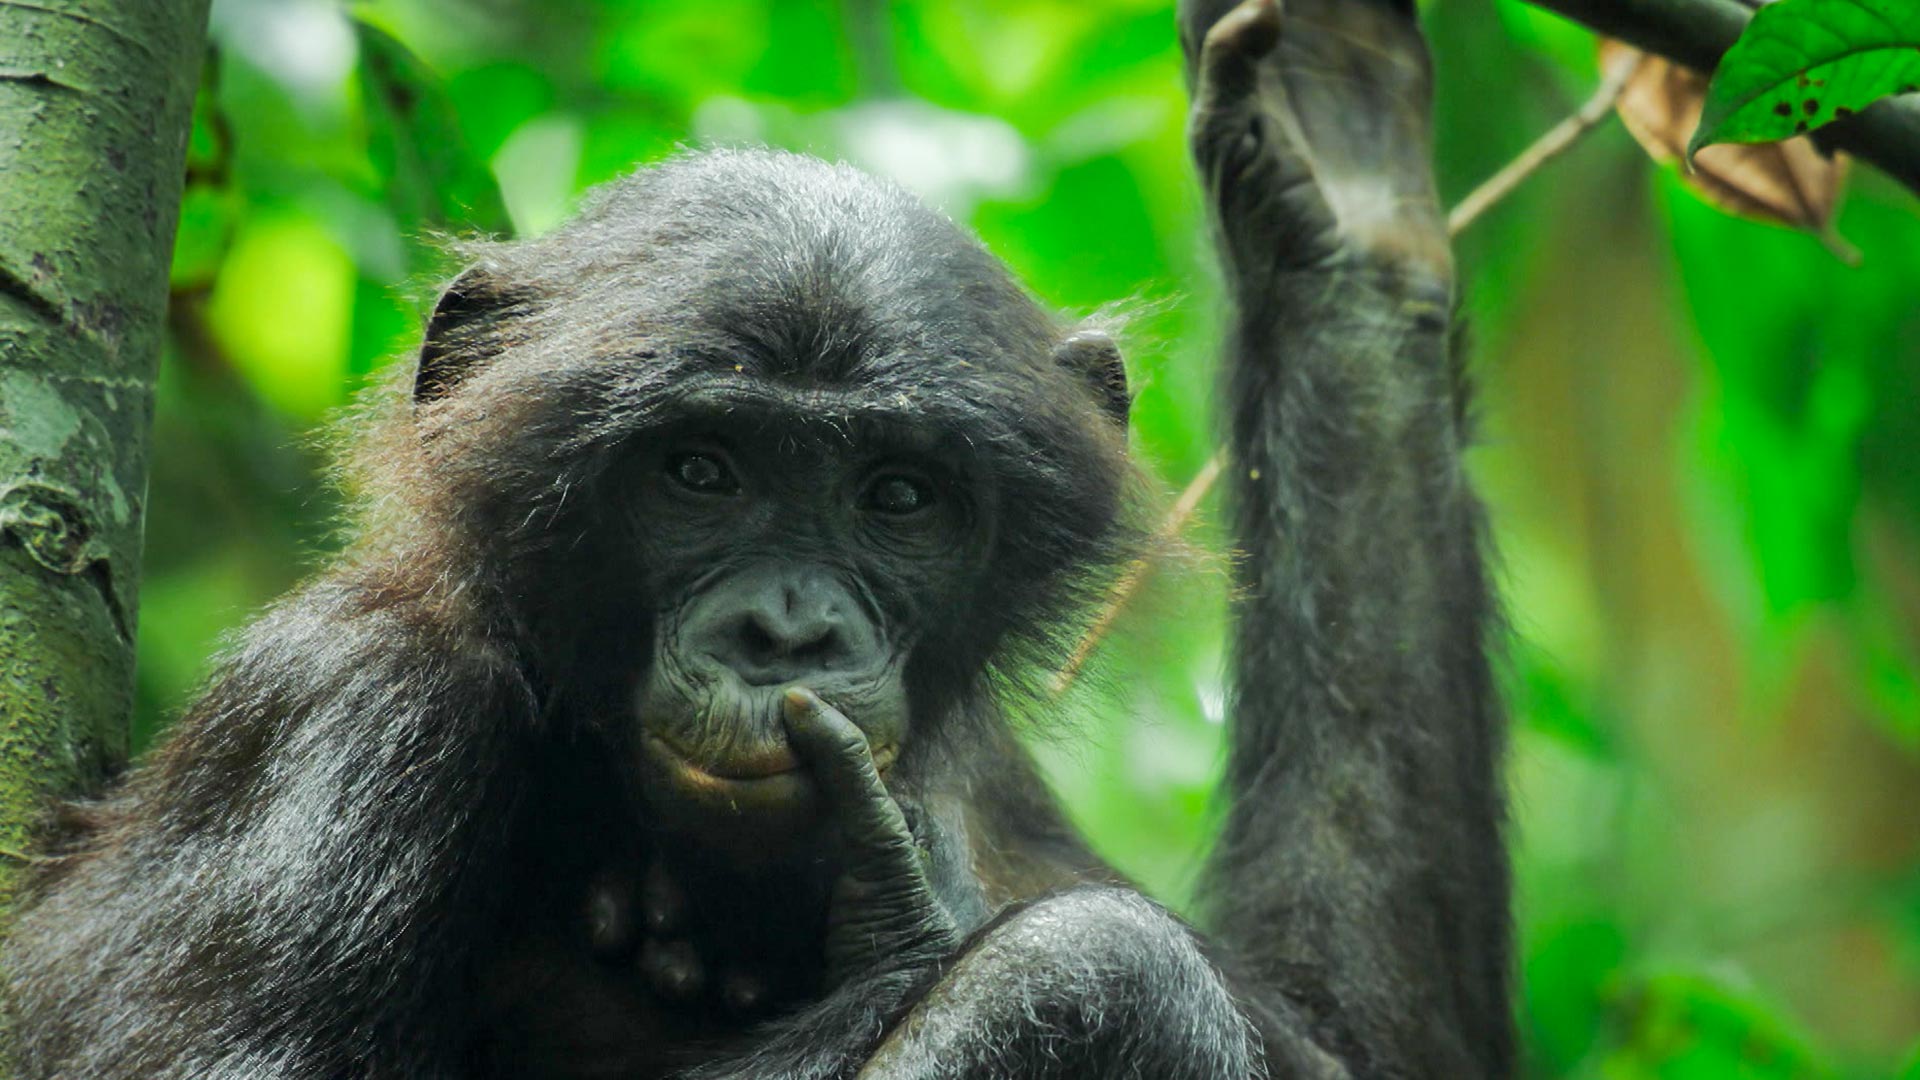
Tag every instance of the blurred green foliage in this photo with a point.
(1702, 440)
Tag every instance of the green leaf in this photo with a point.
(1802, 64)
(432, 178)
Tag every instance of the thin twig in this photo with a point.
(1549, 146)
(1136, 573)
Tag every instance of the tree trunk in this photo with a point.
(96, 103)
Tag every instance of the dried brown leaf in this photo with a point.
(1789, 182)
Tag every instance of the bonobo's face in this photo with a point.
(787, 551)
(752, 422)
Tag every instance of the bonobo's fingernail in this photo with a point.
(801, 701)
(1259, 20)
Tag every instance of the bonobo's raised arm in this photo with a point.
(1357, 901)
(1361, 884)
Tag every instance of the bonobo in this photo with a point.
(655, 722)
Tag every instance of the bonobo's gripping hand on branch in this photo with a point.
(1360, 882)
(1311, 132)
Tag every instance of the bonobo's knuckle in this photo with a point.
(850, 745)
(674, 968)
(1235, 44)
(868, 860)
(889, 855)
(878, 818)
(1223, 138)
(840, 741)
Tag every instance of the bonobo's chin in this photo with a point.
(718, 768)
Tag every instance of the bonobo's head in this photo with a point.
(754, 421)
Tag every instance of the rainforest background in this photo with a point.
(1700, 440)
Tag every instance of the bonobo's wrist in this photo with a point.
(923, 956)
(1361, 301)
(887, 927)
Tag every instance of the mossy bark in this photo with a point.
(96, 102)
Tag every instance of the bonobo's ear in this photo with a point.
(446, 353)
(1095, 357)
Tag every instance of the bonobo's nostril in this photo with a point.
(756, 639)
(775, 625)
(767, 645)
(786, 636)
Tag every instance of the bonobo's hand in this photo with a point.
(882, 913)
(1312, 134)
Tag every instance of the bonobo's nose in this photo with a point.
(775, 625)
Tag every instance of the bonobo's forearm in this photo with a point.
(1361, 766)
(1092, 982)
(1366, 723)
(1364, 604)
(1096, 981)
(1360, 883)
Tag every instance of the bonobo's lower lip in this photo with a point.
(771, 759)
(774, 761)
(746, 813)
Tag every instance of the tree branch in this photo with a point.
(1697, 32)
(1136, 573)
(1549, 146)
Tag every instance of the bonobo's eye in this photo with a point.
(898, 494)
(704, 473)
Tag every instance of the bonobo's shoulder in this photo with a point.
(355, 618)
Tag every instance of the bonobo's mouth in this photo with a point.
(754, 763)
(715, 765)
(750, 799)
(770, 761)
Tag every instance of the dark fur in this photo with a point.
(361, 853)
